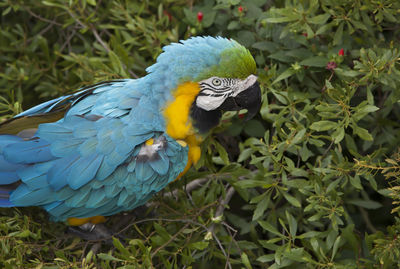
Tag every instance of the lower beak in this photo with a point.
(249, 99)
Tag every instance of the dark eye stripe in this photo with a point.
(222, 88)
(211, 94)
(227, 81)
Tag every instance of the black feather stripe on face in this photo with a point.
(204, 120)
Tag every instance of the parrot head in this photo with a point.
(204, 77)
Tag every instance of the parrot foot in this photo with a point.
(92, 232)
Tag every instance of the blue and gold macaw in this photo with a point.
(109, 147)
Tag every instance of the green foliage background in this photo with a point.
(314, 180)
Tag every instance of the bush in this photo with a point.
(314, 180)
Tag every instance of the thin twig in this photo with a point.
(133, 74)
(229, 229)
(170, 240)
(223, 250)
(98, 38)
(92, 28)
(222, 206)
(41, 18)
(224, 202)
(329, 79)
(197, 183)
(67, 42)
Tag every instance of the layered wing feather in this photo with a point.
(94, 161)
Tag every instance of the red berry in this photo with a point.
(305, 34)
(199, 16)
(240, 9)
(341, 52)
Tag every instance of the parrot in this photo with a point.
(111, 146)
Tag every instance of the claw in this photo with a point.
(92, 232)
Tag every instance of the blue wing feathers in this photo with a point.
(143, 171)
(23, 196)
(61, 148)
(6, 166)
(88, 147)
(8, 177)
(161, 164)
(83, 170)
(26, 152)
(57, 175)
(85, 164)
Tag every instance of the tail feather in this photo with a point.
(5, 193)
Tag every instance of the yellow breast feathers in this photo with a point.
(179, 125)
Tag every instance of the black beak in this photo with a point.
(249, 99)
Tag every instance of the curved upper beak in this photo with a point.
(248, 98)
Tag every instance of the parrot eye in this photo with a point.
(216, 82)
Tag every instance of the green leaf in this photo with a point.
(222, 152)
(292, 224)
(338, 135)
(310, 234)
(323, 125)
(233, 25)
(245, 260)
(367, 109)
(116, 63)
(23, 234)
(251, 183)
(261, 207)
(295, 254)
(266, 258)
(337, 38)
(336, 246)
(319, 19)
(299, 136)
(267, 226)
(369, 204)
(287, 73)
(317, 61)
(108, 257)
(279, 20)
(200, 245)
(254, 128)
(355, 181)
(161, 231)
(362, 133)
(291, 199)
(121, 247)
(266, 45)
(245, 154)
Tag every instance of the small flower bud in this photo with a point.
(331, 65)
(240, 9)
(341, 52)
(199, 16)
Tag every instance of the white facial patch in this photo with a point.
(215, 90)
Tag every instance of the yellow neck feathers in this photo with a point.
(178, 123)
(177, 112)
